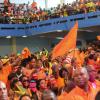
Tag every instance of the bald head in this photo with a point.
(81, 70)
(81, 77)
(48, 95)
(3, 91)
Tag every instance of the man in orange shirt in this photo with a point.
(82, 91)
(4, 71)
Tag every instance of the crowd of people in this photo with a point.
(25, 13)
(36, 76)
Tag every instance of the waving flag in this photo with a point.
(69, 42)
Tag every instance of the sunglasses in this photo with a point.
(25, 80)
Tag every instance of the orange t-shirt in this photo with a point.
(96, 84)
(60, 82)
(79, 94)
(4, 73)
(41, 74)
(27, 72)
(62, 96)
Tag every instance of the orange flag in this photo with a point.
(76, 54)
(82, 56)
(78, 58)
(69, 42)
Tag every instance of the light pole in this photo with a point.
(46, 4)
(62, 1)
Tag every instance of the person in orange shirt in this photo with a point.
(4, 71)
(58, 79)
(69, 85)
(82, 91)
(92, 76)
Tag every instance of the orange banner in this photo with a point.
(69, 42)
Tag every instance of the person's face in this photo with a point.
(49, 97)
(32, 86)
(11, 59)
(26, 98)
(25, 82)
(89, 49)
(43, 84)
(65, 74)
(35, 76)
(15, 68)
(32, 64)
(39, 63)
(1, 64)
(24, 52)
(92, 73)
(43, 58)
(80, 78)
(3, 91)
(53, 83)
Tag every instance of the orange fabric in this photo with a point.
(62, 96)
(98, 37)
(78, 59)
(76, 54)
(97, 84)
(41, 75)
(26, 53)
(69, 42)
(98, 62)
(4, 73)
(82, 56)
(60, 82)
(79, 94)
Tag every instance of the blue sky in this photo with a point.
(51, 3)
